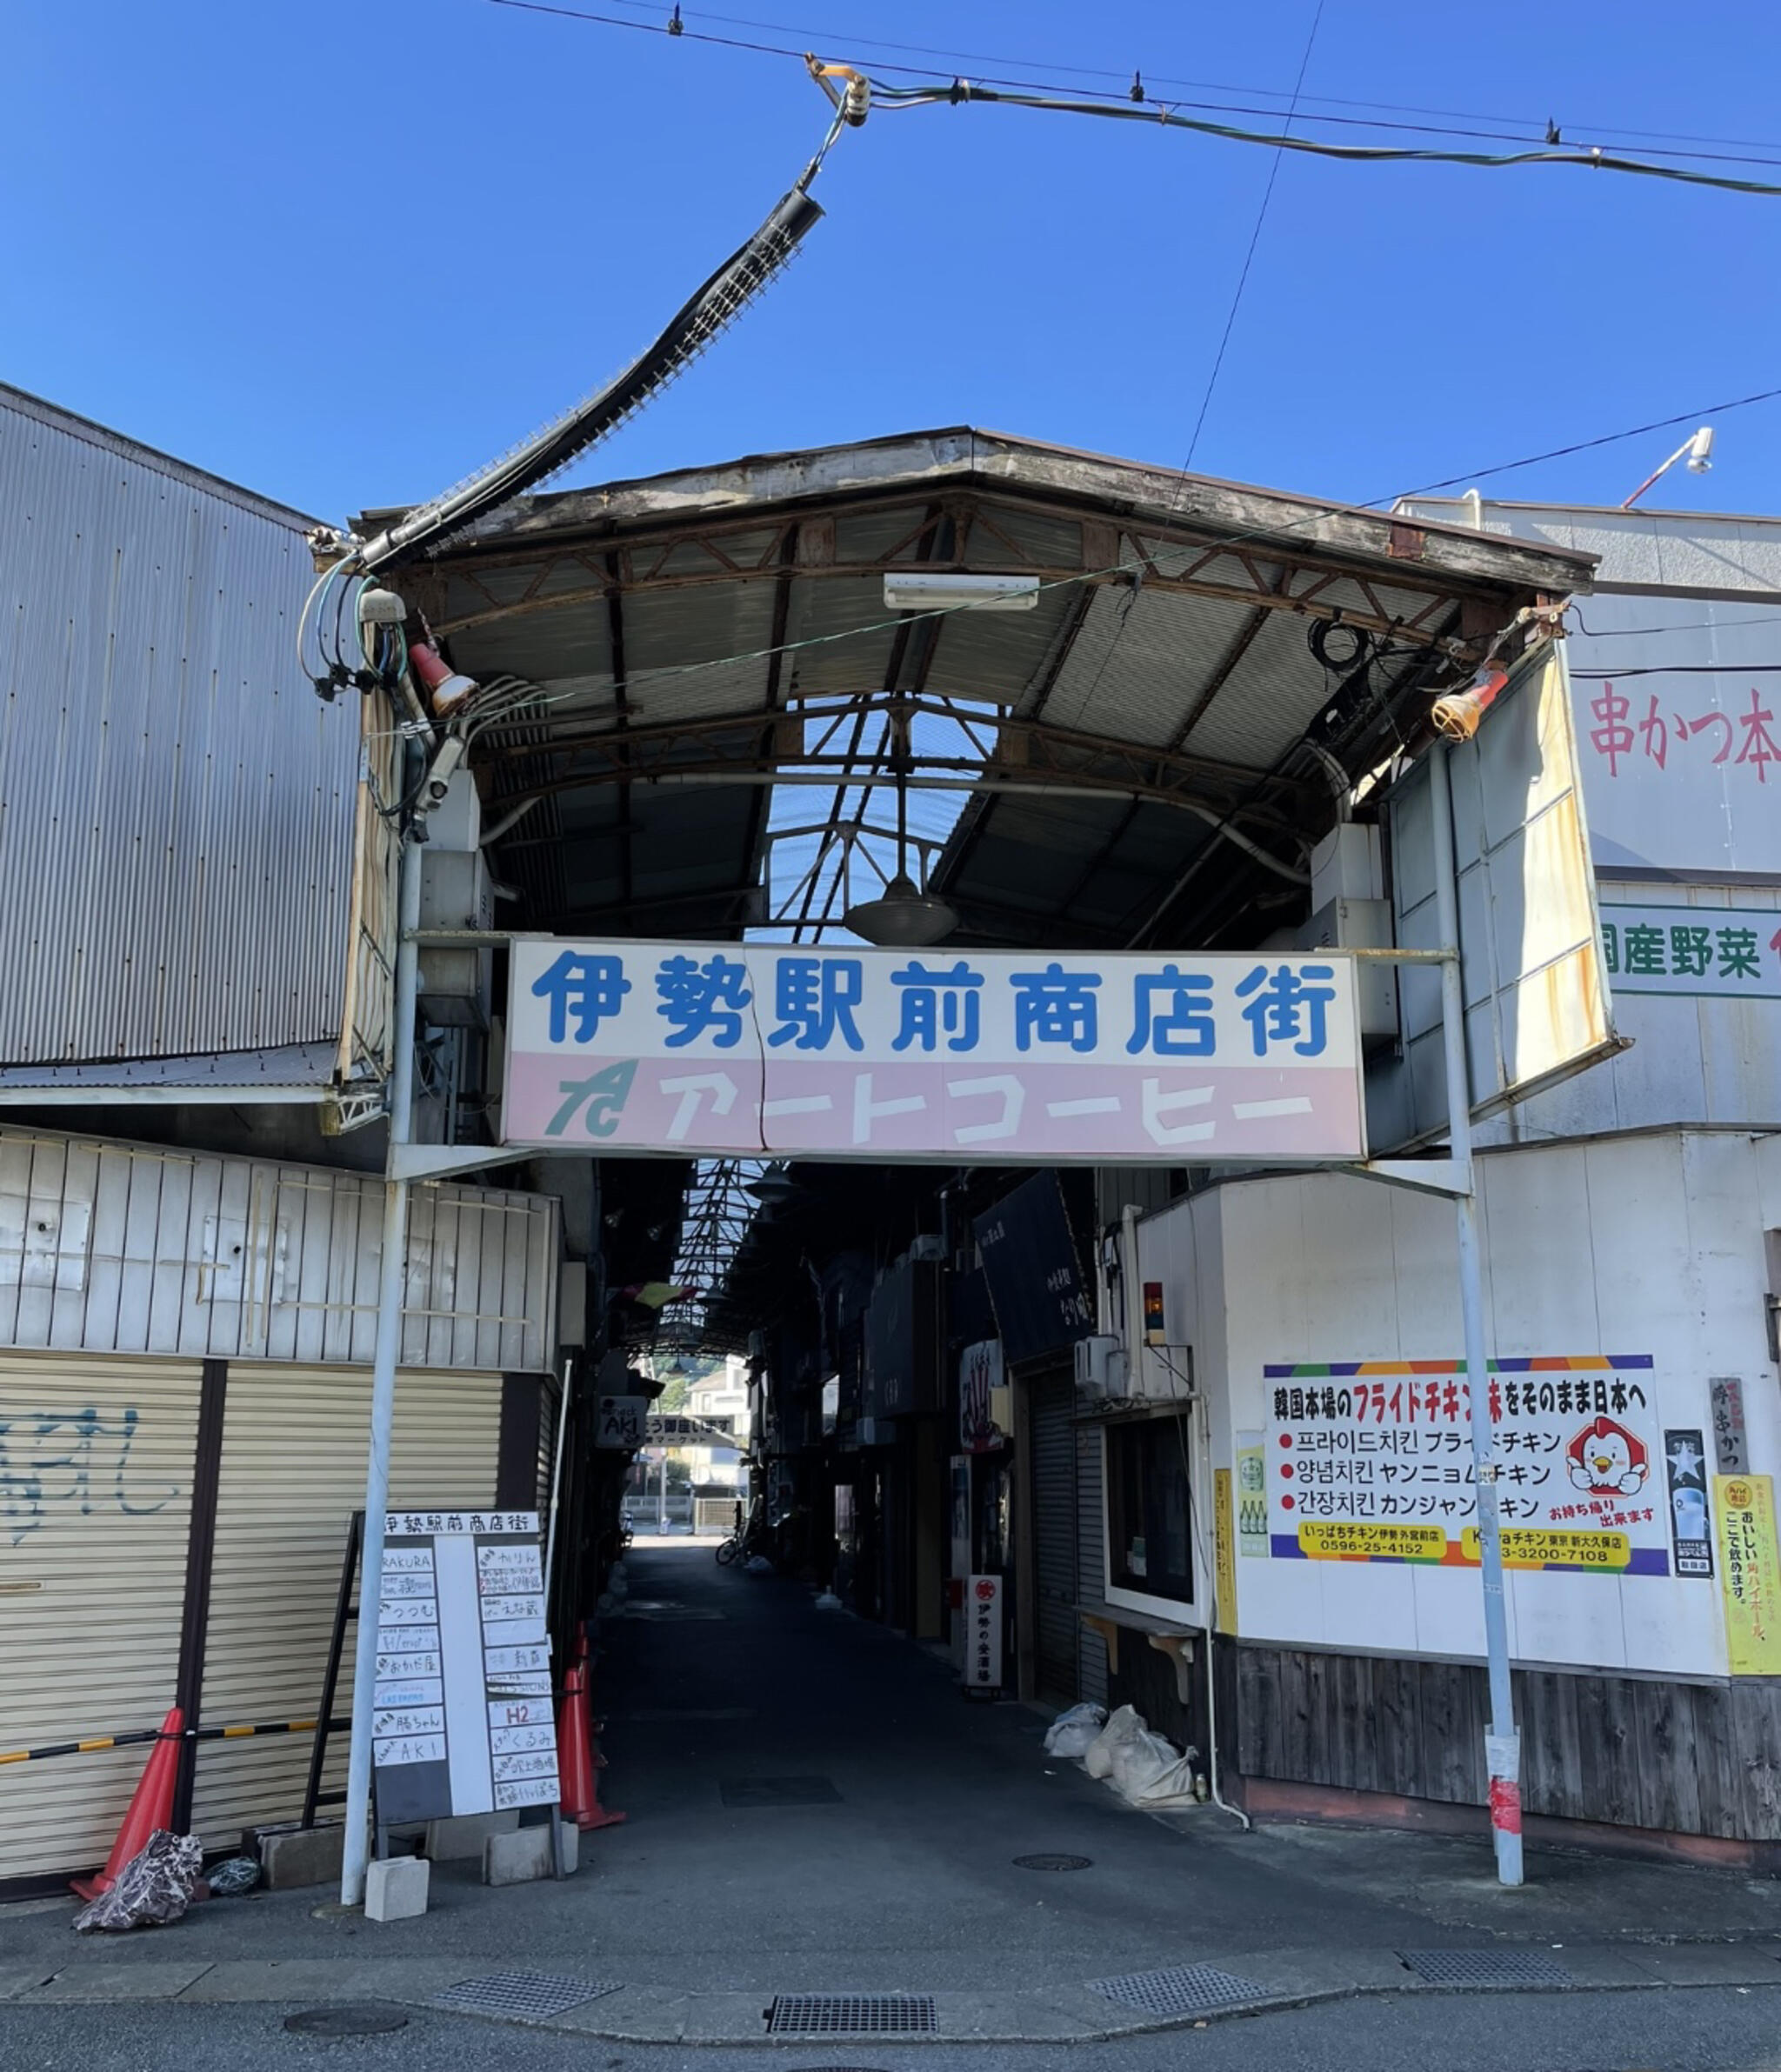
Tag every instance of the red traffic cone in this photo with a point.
(150, 1807)
(578, 1788)
(583, 1662)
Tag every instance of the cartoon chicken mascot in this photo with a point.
(1605, 1459)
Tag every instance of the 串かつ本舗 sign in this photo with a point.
(1010, 1056)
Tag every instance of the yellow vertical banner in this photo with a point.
(1750, 1573)
(1224, 1552)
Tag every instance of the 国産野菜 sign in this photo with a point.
(694, 1047)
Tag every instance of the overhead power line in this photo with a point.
(1518, 130)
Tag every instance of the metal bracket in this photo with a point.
(1447, 1176)
(439, 1161)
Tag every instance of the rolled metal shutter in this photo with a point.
(96, 1477)
(1053, 1483)
(293, 1474)
(1090, 1563)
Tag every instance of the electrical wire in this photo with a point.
(1522, 128)
(1255, 238)
(963, 91)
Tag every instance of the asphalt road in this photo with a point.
(1705, 2031)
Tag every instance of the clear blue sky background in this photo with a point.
(345, 256)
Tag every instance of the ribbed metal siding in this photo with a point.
(293, 1474)
(1091, 1561)
(124, 1247)
(95, 1473)
(1053, 1484)
(175, 804)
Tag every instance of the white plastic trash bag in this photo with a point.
(1073, 1733)
(1141, 1766)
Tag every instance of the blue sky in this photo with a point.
(345, 257)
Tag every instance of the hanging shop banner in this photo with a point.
(1370, 1460)
(1012, 1057)
(461, 1720)
(1750, 1573)
(1722, 953)
(980, 1380)
(1041, 1297)
(1690, 1530)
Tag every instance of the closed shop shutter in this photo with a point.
(1090, 1562)
(96, 1477)
(293, 1474)
(1053, 1441)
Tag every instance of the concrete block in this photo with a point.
(461, 1837)
(571, 1848)
(516, 1858)
(396, 1888)
(292, 1857)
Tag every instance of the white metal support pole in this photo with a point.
(391, 1274)
(1502, 1743)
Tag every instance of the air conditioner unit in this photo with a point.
(1100, 1366)
(928, 1245)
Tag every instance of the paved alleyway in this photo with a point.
(716, 1680)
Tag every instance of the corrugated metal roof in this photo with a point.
(175, 806)
(1164, 666)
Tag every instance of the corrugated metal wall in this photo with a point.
(175, 804)
(1053, 1484)
(96, 1480)
(124, 1247)
(293, 1474)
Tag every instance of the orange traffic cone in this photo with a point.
(150, 1807)
(577, 1781)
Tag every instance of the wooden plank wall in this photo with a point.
(1695, 1759)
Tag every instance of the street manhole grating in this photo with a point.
(519, 1995)
(1484, 1967)
(1180, 1989)
(851, 2015)
(369, 2018)
(777, 1791)
(1045, 1863)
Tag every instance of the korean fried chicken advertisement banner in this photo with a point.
(1371, 1460)
(932, 1054)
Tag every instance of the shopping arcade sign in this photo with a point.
(797, 1051)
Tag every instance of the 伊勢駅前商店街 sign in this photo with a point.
(1010, 1055)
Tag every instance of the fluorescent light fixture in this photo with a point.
(914, 589)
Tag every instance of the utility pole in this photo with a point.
(355, 1844)
(1502, 1742)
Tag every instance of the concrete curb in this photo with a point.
(1072, 2014)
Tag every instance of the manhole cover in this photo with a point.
(1181, 1989)
(519, 1995)
(1043, 1862)
(852, 2014)
(1484, 1967)
(778, 1791)
(368, 2019)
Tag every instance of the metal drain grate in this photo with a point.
(1484, 1967)
(519, 1995)
(1181, 1989)
(777, 1791)
(1044, 1862)
(851, 2015)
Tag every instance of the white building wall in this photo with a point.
(1649, 1244)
